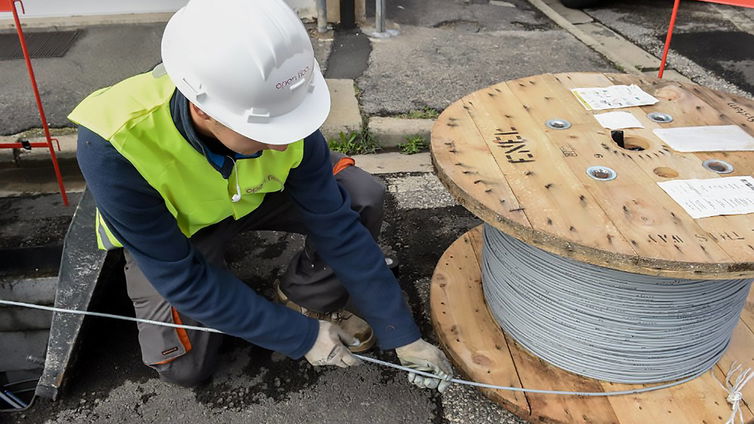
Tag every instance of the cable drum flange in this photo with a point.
(608, 324)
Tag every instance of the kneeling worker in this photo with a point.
(223, 138)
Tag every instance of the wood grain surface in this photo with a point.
(495, 155)
(484, 353)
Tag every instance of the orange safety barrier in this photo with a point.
(742, 3)
(10, 6)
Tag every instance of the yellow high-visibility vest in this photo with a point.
(134, 116)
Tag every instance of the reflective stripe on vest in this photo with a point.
(134, 116)
(105, 238)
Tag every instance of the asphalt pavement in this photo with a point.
(445, 49)
(713, 44)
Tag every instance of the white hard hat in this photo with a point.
(248, 64)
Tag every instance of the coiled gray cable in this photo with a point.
(607, 324)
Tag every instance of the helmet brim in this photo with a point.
(293, 126)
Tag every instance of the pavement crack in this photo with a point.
(462, 25)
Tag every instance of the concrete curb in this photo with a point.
(394, 162)
(585, 38)
(36, 177)
(81, 21)
(614, 42)
(29, 172)
(344, 117)
(21, 157)
(379, 163)
(390, 132)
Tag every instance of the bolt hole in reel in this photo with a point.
(718, 166)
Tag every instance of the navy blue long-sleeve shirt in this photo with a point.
(137, 216)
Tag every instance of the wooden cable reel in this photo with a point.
(494, 153)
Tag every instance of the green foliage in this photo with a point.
(424, 113)
(414, 144)
(354, 143)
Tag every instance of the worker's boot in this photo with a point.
(350, 323)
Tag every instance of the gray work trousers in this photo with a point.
(188, 357)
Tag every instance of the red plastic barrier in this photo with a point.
(10, 6)
(742, 3)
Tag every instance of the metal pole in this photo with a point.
(322, 16)
(379, 16)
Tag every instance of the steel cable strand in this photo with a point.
(608, 324)
(362, 357)
(640, 325)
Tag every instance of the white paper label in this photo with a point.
(713, 138)
(613, 97)
(713, 197)
(618, 120)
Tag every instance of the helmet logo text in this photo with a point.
(301, 74)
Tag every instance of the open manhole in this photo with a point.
(40, 44)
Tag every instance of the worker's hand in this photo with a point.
(328, 349)
(423, 356)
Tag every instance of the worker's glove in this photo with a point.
(328, 349)
(423, 356)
